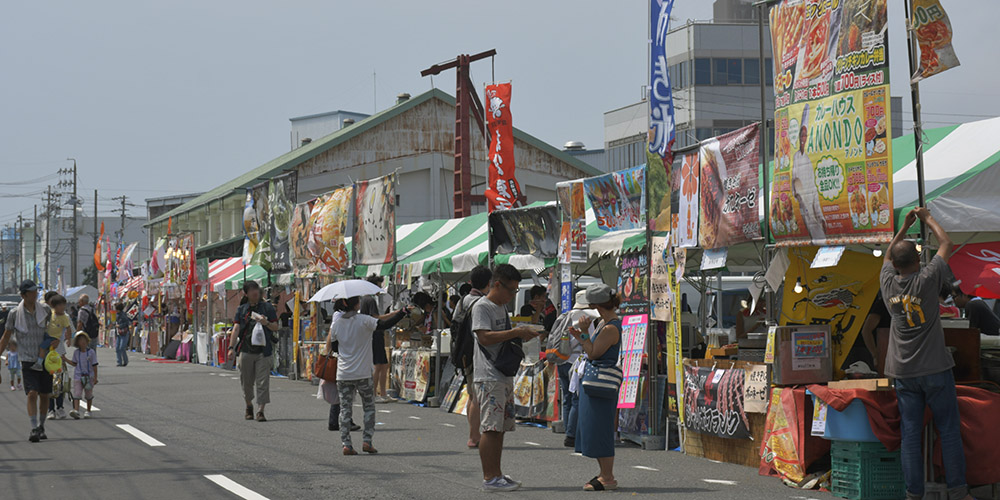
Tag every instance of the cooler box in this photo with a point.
(849, 425)
(802, 355)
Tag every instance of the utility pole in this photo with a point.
(73, 241)
(48, 231)
(96, 235)
(3, 259)
(121, 232)
(18, 233)
(34, 245)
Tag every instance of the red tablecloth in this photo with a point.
(979, 409)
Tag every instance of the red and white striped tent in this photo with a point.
(222, 270)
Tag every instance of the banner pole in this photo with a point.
(918, 142)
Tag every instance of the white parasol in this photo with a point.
(345, 290)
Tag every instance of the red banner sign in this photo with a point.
(502, 191)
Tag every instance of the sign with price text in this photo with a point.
(730, 194)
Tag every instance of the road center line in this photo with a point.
(643, 467)
(234, 487)
(414, 417)
(141, 436)
(531, 443)
(385, 411)
(720, 481)
(448, 425)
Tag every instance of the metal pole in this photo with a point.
(48, 231)
(73, 241)
(918, 143)
(34, 246)
(438, 394)
(3, 259)
(18, 235)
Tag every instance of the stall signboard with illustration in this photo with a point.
(713, 401)
(262, 253)
(685, 197)
(660, 193)
(375, 221)
(730, 193)
(281, 195)
(633, 283)
(526, 231)
(502, 190)
(251, 229)
(633, 347)
(832, 177)
(573, 234)
(328, 226)
(618, 198)
(934, 38)
(298, 239)
(838, 296)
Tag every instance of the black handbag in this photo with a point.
(509, 358)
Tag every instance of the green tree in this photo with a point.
(90, 276)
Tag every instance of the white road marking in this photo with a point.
(385, 411)
(643, 467)
(141, 436)
(720, 481)
(576, 454)
(414, 418)
(531, 443)
(94, 408)
(448, 425)
(234, 487)
(379, 423)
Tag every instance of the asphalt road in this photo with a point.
(195, 414)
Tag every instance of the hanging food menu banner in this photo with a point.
(298, 239)
(262, 254)
(832, 177)
(633, 283)
(328, 226)
(633, 347)
(573, 234)
(375, 221)
(618, 198)
(713, 401)
(281, 201)
(684, 196)
(730, 194)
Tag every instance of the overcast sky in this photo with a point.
(157, 98)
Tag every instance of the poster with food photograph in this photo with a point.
(658, 185)
(618, 199)
(832, 176)
(375, 221)
(633, 283)
(526, 231)
(730, 194)
(262, 254)
(573, 237)
(328, 227)
(685, 199)
(934, 38)
(298, 239)
(713, 402)
(281, 194)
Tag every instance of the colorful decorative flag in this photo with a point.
(661, 100)
(934, 38)
(502, 190)
(98, 255)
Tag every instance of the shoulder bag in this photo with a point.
(326, 368)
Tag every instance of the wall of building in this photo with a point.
(321, 125)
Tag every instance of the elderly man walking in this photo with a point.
(86, 320)
(253, 338)
(28, 321)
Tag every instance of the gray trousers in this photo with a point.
(365, 387)
(255, 373)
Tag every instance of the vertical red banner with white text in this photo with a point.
(502, 190)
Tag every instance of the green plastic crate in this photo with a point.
(866, 471)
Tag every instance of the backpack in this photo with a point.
(92, 324)
(557, 347)
(462, 340)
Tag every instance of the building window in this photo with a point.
(702, 71)
(685, 67)
(397, 200)
(735, 67)
(719, 71)
(702, 133)
(751, 71)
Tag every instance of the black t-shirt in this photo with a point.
(527, 310)
(981, 317)
(885, 319)
(245, 323)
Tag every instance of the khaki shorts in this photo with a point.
(496, 405)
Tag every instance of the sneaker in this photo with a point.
(87, 414)
(20, 386)
(61, 413)
(75, 414)
(41, 433)
(508, 478)
(51, 415)
(35, 436)
(12, 387)
(355, 427)
(500, 483)
(569, 442)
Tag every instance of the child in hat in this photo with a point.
(13, 365)
(85, 374)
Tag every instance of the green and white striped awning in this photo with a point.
(256, 273)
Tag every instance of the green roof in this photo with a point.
(288, 161)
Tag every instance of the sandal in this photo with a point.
(368, 448)
(595, 484)
(348, 451)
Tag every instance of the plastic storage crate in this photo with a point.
(866, 471)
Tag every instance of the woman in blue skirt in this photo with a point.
(595, 434)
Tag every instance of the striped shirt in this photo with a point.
(28, 341)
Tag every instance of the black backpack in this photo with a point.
(462, 340)
(92, 324)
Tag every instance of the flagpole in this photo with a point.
(918, 143)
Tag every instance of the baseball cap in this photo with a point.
(581, 300)
(598, 294)
(28, 286)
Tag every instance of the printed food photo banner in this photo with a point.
(933, 30)
(375, 221)
(618, 198)
(281, 194)
(684, 201)
(502, 190)
(298, 239)
(660, 192)
(526, 231)
(730, 195)
(262, 253)
(838, 296)
(573, 234)
(832, 176)
(633, 283)
(251, 229)
(328, 227)
(713, 401)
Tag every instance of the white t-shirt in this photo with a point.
(354, 332)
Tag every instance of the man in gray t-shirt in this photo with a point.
(917, 356)
(495, 390)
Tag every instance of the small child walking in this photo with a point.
(85, 374)
(13, 365)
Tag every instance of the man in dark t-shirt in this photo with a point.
(254, 350)
(978, 313)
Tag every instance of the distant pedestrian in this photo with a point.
(497, 357)
(595, 434)
(84, 376)
(124, 327)
(570, 399)
(480, 284)
(370, 306)
(13, 366)
(354, 332)
(329, 389)
(28, 321)
(253, 338)
(86, 320)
